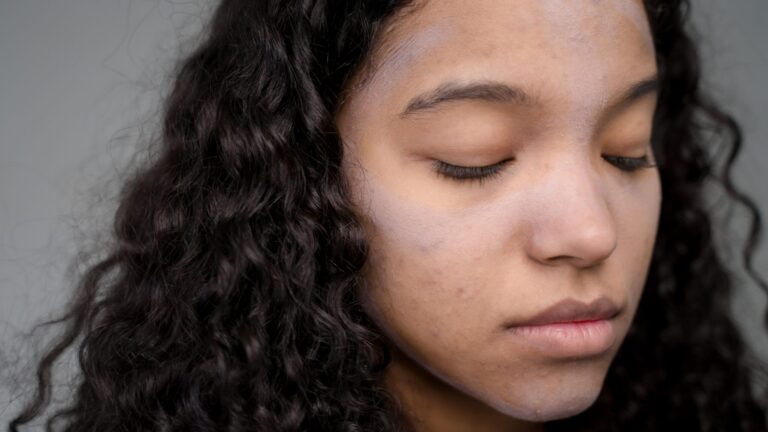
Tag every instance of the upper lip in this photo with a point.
(570, 310)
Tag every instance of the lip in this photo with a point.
(569, 328)
(570, 311)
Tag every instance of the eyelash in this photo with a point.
(469, 174)
(483, 173)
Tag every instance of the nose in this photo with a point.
(572, 221)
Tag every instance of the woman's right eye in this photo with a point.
(467, 174)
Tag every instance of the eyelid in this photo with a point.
(465, 174)
(632, 164)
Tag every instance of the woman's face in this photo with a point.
(453, 262)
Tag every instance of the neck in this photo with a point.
(431, 405)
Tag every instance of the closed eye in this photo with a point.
(469, 174)
(630, 164)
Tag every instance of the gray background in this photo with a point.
(79, 83)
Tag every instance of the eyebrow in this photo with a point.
(646, 86)
(494, 91)
(489, 91)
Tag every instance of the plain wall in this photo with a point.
(78, 76)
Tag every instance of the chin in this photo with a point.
(540, 405)
(554, 410)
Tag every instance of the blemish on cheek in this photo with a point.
(430, 246)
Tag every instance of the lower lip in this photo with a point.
(568, 339)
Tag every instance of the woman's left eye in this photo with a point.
(630, 164)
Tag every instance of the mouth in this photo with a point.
(569, 329)
(570, 311)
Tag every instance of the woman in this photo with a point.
(421, 216)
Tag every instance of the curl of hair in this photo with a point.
(232, 303)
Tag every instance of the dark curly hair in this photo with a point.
(227, 299)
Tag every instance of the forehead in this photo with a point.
(541, 44)
(492, 24)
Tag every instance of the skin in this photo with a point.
(450, 262)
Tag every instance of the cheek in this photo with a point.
(426, 271)
(639, 207)
(432, 273)
(637, 210)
